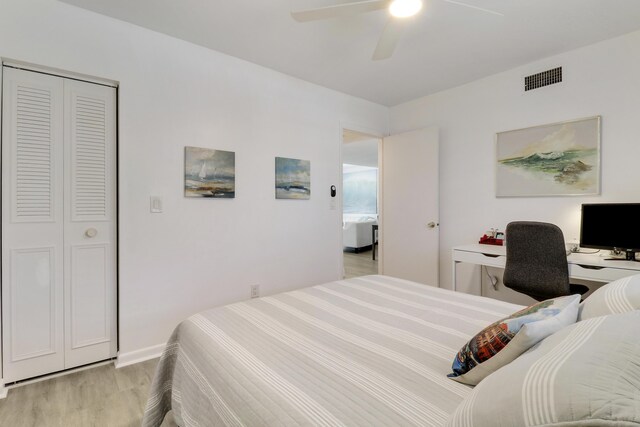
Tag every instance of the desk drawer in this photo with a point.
(479, 258)
(604, 274)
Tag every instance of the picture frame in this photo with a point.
(557, 159)
(292, 178)
(209, 173)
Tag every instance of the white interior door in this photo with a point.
(409, 231)
(58, 224)
(90, 223)
(32, 225)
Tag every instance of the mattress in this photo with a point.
(368, 351)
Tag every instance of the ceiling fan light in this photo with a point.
(405, 8)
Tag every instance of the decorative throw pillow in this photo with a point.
(620, 296)
(583, 375)
(503, 341)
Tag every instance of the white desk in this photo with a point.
(581, 266)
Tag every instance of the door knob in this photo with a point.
(91, 232)
(432, 225)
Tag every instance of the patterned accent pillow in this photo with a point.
(620, 296)
(503, 341)
(583, 375)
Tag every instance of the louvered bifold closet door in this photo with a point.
(90, 231)
(32, 225)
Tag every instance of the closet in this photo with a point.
(58, 223)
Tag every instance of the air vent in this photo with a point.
(543, 79)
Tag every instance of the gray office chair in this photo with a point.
(537, 261)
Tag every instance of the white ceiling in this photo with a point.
(444, 46)
(349, 136)
(361, 153)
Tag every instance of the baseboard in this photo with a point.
(137, 356)
(4, 388)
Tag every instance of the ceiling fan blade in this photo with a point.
(389, 39)
(482, 9)
(340, 10)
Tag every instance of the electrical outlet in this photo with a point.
(156, 204)
(255, 291)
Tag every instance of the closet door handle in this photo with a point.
(91, 232)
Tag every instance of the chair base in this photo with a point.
(573, 289)
(578, 289)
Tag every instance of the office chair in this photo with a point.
(537, 261)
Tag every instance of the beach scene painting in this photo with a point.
(209, 173)
(560, 159)
(293, 179)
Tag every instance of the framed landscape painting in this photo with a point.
(559, 159)
(209, 173)
(293, 179)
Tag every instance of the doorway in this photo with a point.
(360, 203)
(406, 216)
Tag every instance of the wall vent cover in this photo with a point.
(543, 79)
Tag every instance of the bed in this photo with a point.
(368, 351)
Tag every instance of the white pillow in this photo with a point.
(620, 296)
(503, 341)
(583, 375)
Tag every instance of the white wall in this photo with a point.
(602, 79)
(200, 253)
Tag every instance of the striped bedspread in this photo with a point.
(369, 351)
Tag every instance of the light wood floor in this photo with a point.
(102, 396)
(105, 396)
(359, 264)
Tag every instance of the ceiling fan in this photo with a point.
(398, 9)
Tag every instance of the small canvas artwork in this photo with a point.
(293, 179)
(560, 159)
(209, 173)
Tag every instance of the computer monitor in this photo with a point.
(613, 226)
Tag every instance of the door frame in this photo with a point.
(27, 66)
(380, 137)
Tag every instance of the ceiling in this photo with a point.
(349, 136)
(361, 153)
(446, 45)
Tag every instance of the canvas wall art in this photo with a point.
(293, 178)
(560, 159)
(209, 173)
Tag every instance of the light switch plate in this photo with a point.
(156, 204)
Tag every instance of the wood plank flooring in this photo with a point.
(105, 396)
(359, 264)
(96, 397)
